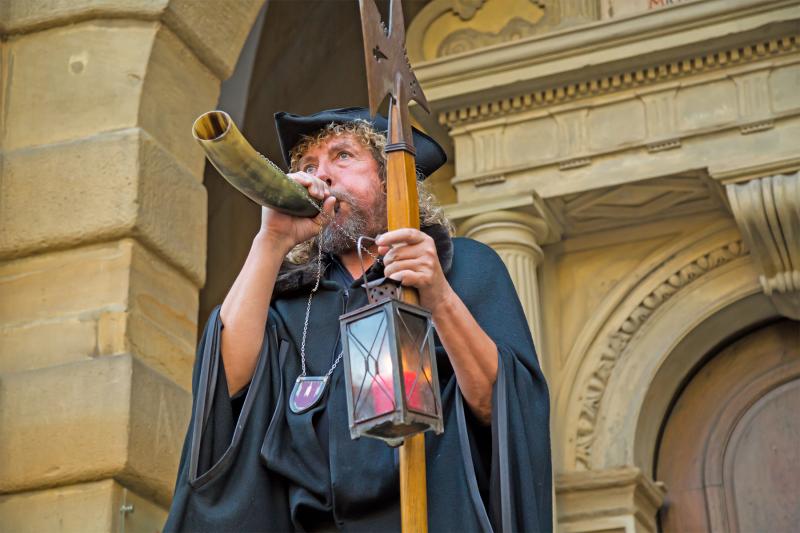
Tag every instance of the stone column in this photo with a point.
(102, 250)
(516, 237)
(767, 211)
(622, 500)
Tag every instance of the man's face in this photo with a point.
(351, 171)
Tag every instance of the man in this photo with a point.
(252, 461)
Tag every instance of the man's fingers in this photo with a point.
(411, 265)
(409, 278)
(400, 253)
(315, 186)
(404, 235)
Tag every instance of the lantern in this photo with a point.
(390, 367)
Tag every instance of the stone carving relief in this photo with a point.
(448, 27)
(767, 211)
(614, 345)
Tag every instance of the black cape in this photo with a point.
(250, 464)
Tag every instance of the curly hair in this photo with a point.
(430, 212)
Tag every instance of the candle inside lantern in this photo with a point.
(383, 392)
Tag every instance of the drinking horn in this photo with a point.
(251, 173)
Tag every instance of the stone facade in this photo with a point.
(635, 164)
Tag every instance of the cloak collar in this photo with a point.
(293, 278)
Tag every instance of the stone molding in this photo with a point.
(615, 344)
(621, 499)
(620, 81)
(767, 211)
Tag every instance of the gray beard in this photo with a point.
(361, 221)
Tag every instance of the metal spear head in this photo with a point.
(388, 69)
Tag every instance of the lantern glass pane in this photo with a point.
(413, 332)
(370, 367)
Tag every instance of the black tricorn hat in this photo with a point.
(291, 129)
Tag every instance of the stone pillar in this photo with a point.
(516, 237)
(102, 250)
(621, 500)
(767, 211)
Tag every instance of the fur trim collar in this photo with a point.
(293, 278)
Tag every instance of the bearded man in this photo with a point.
(253, 461)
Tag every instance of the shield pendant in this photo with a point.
(306, 393)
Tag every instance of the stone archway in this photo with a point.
(650, 340)
(102, 243)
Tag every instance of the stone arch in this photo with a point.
(653, 329)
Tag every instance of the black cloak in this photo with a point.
(250, 464)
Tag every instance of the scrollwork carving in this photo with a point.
(616, 342)
(767, 211)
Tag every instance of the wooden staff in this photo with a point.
(388, 73)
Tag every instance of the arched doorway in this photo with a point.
(729, 455)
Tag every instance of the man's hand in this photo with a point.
(410, 257)
(286, 231)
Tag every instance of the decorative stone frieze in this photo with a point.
(767, 211)
(750, 95)
(616, 342)
(447, 27)
(622, 500)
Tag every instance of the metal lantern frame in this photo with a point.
(402, 421)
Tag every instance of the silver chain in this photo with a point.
(305, 323)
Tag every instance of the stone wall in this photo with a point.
(102, 243)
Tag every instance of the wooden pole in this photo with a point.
(402, 208)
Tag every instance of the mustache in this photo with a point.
(342, 196)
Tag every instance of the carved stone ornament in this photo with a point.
(448, 27)
(767, 211)
(616, 342)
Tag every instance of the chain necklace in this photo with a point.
(308, 390)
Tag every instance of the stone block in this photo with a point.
(231, 21)
(103, 187)
(614, 125)
(74, 282)
(173, 210)
(177, 89)
(88, 420)
(531, 141)
(82, 507)
(159, 417)
(94, 301)
(707, 105)
(98, 69)
(24, 15)
(47, 343)
(61, 195)
(783, 83)
(162, 325)
(64, 424)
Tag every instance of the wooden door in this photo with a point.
(730, 451)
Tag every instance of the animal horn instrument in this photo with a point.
(251, 173)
